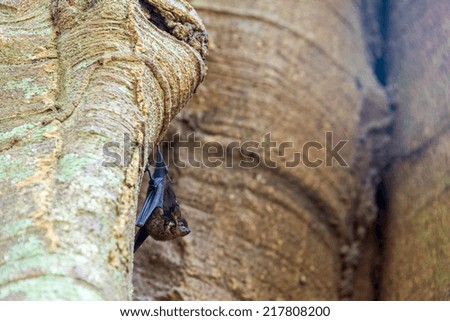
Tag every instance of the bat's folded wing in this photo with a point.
(140, 238)
(155, 198)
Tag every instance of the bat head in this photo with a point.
(178, 225)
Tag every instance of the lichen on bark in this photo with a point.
(79, 75)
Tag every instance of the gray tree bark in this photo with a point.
(76, 75)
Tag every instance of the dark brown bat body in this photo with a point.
(165, 223)
(166, 226)
(160, 216)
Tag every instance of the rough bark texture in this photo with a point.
(74, 76)
(417, 233)
(296, 71)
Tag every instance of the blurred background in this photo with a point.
(375, 76)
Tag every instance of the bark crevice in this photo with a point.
(365, 249)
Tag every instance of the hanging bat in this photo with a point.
(160, 216)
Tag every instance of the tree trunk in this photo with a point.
(77, 77)
(88, 86)
(296, 71)
(417, 235)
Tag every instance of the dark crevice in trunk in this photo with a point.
(382, 201)
(380, 67)
(375, 23)
(155, 17)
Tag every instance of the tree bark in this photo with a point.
(295, 69)
(76, 75)
(417, 238)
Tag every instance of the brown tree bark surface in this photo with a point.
(417, 229)
(76, 75)
(296, 69)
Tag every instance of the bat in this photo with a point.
(160, 216)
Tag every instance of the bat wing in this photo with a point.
(155, 195)
(155, 198)
(141, 235)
